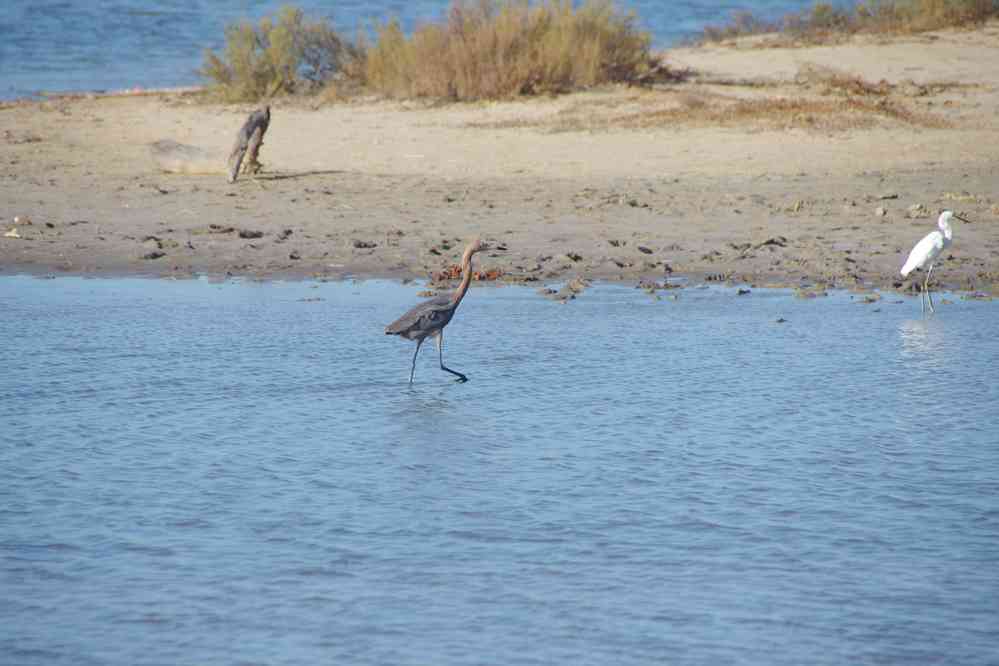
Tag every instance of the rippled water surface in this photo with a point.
(207, 473)
(59, 45)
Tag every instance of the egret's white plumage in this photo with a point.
(926, 251)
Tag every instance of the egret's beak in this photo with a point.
(958, 217)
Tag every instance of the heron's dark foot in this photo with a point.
(461, 380)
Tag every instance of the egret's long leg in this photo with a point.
(926, 287)
(440, 356)
(412, 370)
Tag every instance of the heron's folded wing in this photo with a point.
(423, 316)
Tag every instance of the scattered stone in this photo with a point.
(568, 292)
(21, 137)
(917, 211)
(891, 195)
(880, 211)
(804, 292)
(155, 254)
(23, 220)
(12, 233)
(779, 241)
(781, 320)
(743, 292)
(220, 229)
(617, 243)
(283, 235)
(963, 196)
(295, 255)
(644, 250)
(248, 234)
(574, 256)
(364, 245)
(426, 293)
(651, 286)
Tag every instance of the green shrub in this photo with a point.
(289, 54)
(503, 48)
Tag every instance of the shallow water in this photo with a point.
(58, 45)
(227, 473)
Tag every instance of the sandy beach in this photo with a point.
(769, 166)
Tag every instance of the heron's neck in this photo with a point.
(466, 278)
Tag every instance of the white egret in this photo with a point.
(927, 251)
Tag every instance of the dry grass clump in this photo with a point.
(707, 109)
(497, 49)
(787, 113)
(827, 22)
(833, 81)
(286, 55)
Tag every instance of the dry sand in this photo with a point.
(766, 165)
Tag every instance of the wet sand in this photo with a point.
(801, 180)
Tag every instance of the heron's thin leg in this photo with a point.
(926, 288)
(440, 356)
(412, 370)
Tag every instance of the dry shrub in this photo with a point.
(742, 24)
(504, 48)
(918, 15)
(289, 54)
(828, 22)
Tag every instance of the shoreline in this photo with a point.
(761, 169)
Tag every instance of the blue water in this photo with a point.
(197, 473)
(64, 45)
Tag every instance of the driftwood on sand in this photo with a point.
(248, 142)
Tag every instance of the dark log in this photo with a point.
(248, 142)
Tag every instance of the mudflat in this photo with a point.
(771, 166)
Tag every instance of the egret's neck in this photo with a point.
(947, 230)
(466, 278)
